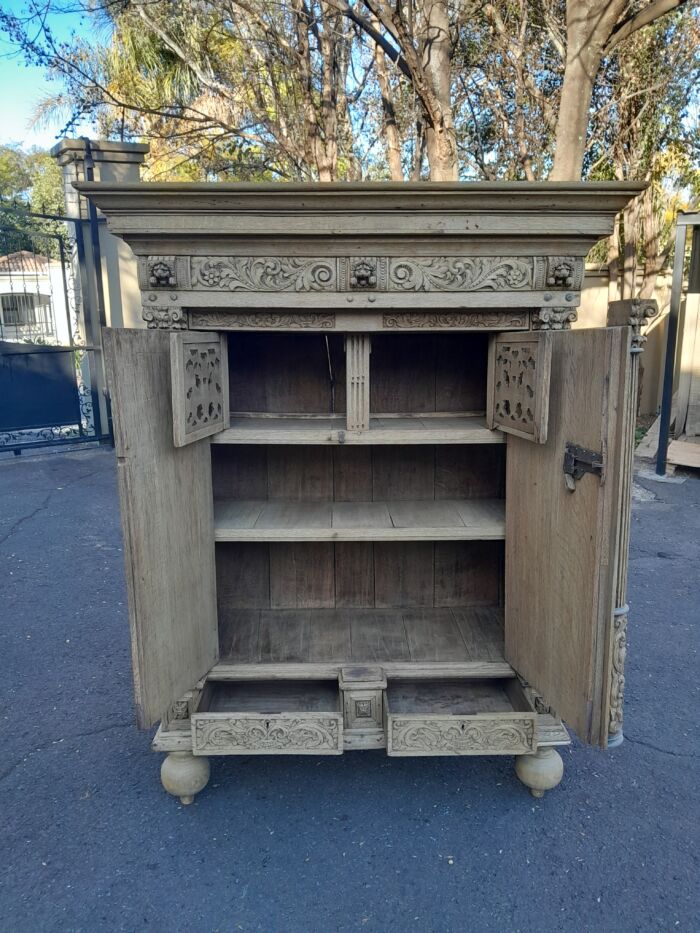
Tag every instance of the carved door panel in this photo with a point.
(199, 371)
(518, 384)
(561, 545)
(168, 525)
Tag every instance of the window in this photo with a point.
(23, 315)
(19, 309)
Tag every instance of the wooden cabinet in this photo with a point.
(374, 488)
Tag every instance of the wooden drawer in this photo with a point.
(465, 717)
(268, 718)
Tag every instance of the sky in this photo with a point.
(23, 86)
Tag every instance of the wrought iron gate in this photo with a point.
(47, 355)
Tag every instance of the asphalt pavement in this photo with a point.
(89, 841)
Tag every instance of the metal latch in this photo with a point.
(579, 460)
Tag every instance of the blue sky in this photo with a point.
(23, 86)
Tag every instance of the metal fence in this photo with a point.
(47, 358)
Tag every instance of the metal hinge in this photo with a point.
(579, 460)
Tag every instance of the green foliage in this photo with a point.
(30, 183)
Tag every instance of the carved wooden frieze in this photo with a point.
(234, 320)
(263, 273)
(361, 273)
(249, 735)
(469, 274)
(199, 373)
(518, 384)
(489, 320)
(462, 736)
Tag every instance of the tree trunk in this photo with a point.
(589, 25)
(629, 255)
(390, 127)
(614, 261)
(441, 139)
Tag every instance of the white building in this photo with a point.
(33, 302)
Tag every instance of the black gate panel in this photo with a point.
(37, 387)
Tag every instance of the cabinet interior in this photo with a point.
(358, 552)
(305, 374)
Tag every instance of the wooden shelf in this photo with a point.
(398, 520)
(470, 635)
(416, 429)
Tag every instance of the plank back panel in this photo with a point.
(287, 373)
(428, 372)
(168, 526)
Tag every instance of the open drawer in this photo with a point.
(268, 718)
(464, 717)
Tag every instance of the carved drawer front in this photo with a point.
(466, 717)
(268, 718)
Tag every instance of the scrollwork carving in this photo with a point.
(247, 734)
(454, 274)
(263, 274)
(225, 320)
(491, 320)
(436, 736)
(164, 318)
(381, 273)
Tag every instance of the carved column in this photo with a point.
(553, 318)
(357, 350)
(635, 313)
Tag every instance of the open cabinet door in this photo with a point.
(167, 519)
(562, 532)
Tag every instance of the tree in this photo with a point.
(594, 28)
(333, 89)
(30, 182)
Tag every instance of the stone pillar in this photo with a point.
(120, 303)
(113, 163)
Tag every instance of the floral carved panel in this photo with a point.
(462, 736)
(263, 274)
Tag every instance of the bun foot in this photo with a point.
(183, 775)
(541, 771)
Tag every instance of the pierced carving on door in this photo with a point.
(200, 386)
(519, 385)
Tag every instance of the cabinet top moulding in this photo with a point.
(514, 210)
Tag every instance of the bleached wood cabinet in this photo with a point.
(374, 488)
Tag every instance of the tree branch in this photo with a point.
(650, 14)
